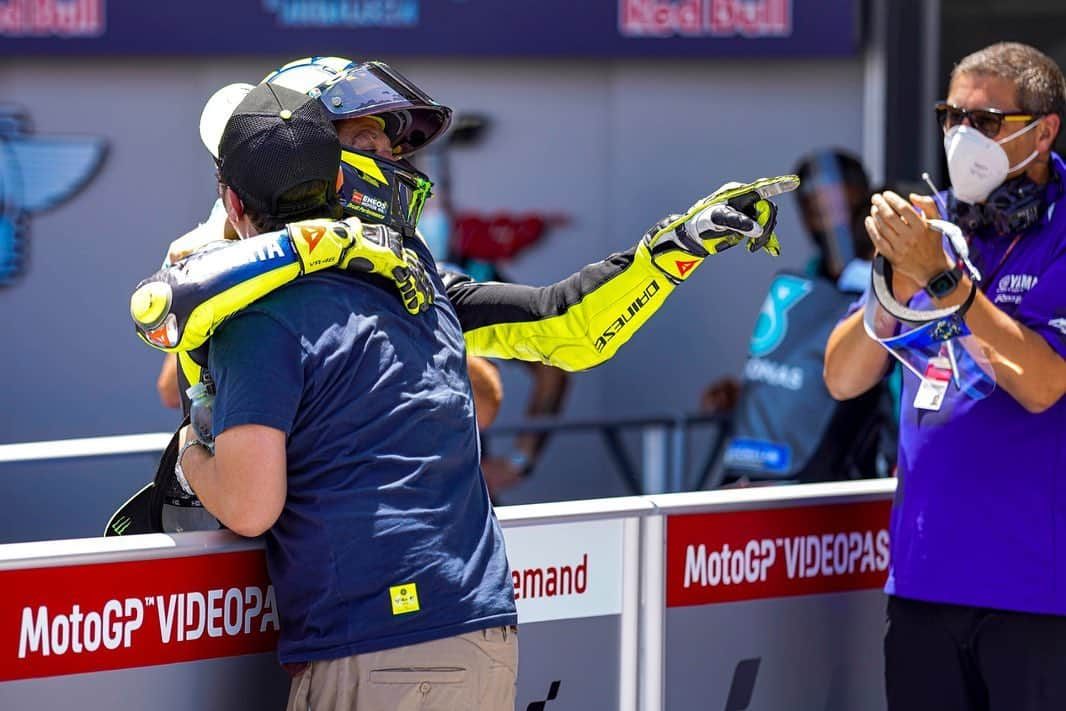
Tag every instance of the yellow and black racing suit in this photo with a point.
(574, 324)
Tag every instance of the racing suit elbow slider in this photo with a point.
(150, 303)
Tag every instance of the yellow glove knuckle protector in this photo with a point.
(320, 244)
(679, 243)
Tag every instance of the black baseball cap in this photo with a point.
(275, 140)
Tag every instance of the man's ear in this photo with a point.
(1047, 132)
(232, 203)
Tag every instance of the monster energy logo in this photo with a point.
(121, 525)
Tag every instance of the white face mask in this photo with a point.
(977, 164)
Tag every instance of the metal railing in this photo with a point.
(666, 456)
(664, 464)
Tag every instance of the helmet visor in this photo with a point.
(382, 191)
(412, 118)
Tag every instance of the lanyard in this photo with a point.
(991, 276)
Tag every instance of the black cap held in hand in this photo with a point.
(275, 140)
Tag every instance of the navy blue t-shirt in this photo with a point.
(387, 537)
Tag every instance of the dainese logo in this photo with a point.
(312, 235)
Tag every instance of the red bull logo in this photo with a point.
(55, 18)
(699, 18)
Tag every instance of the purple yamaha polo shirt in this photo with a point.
(980, 511)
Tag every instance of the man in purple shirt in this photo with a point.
(977, 587)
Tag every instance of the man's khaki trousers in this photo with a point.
(474, 671)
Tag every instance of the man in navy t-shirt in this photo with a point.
(977, 586)
(345, 431)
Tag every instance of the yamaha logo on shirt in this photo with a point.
(1011, 287)
(37, 173)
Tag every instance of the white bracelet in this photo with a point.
(179, 474)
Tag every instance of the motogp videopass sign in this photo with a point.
(106, 616)
(103, 616)
(751, 555)
(684, 28)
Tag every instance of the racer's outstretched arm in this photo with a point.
(574, 324)
(180, 306)
(583, 320)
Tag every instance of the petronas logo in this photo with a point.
(772, 325)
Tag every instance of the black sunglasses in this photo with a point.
(987, 121)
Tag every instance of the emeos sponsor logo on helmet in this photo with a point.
(373, 204)
(747, 555)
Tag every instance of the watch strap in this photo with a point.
(179, 473)
(881, 283)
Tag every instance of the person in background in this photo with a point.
(977, 581)
(785, 427)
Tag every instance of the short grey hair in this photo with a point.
(1036, 77)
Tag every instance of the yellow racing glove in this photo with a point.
(735, 212)
(373, 249)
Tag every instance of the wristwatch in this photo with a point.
(179, 473)
(944, 283)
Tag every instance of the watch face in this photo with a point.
(942, 283)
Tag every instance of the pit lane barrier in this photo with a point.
(760, 598)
